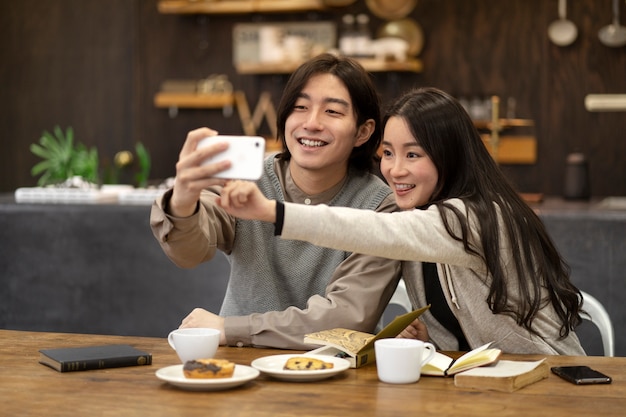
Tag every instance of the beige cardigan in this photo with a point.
(419, 235)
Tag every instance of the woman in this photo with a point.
(480, 256)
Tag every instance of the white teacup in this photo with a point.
(400, 361)
(194, 343)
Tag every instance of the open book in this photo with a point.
(357, 347)
(507, 376)
(443, 365)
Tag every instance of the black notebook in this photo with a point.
(93, 357)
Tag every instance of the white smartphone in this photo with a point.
(246, 154)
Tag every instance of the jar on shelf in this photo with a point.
(347, 35)
(576, 177)
(363, 36)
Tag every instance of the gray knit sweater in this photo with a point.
(287, 273)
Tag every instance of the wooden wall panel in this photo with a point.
(63, 63)
(96, 65)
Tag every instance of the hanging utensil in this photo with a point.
(613, 35)
(562, 32)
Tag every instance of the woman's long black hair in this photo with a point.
(467, 171)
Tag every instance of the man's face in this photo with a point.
(321, 130)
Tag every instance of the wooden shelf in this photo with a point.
(376, 65)
(504, 123)
(193, 100)
(371, 65)
(237, 6)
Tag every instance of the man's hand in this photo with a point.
(191, 176)
(200, 317)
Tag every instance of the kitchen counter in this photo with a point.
(98, 269)
(95, 269)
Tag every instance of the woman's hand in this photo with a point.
(200, 317)
(415, 330)
(191, 176)
(243, 199)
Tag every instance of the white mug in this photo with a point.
(194, 343)
(400, 361)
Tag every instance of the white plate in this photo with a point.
(273, 366)
(174, 375)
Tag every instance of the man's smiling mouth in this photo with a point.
(312, 142)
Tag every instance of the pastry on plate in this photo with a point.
(208, 368)
(301, 363)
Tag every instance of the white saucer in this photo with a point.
(273, 366)
(174, 375)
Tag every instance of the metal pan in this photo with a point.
(407, 29)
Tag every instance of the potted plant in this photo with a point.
(63, 159)
(69, 172)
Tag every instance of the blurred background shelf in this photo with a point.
(193, 100)
(504, 123)
(237, 6)
(371, 65)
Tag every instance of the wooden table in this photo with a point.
(28, 388)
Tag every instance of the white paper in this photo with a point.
(503, 368)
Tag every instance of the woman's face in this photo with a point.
(409, 171)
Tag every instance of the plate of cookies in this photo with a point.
(207, 375)
(300, 367)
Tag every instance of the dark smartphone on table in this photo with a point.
(581, 375)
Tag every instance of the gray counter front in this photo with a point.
(592, 239)
(98, 269)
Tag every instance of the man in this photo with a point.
(328, 122)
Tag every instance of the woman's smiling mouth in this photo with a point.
(403, 188)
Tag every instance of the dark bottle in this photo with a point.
(576, 177)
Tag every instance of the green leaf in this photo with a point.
(144, 165)
(54, 146)
(49, 142)
(39, 150)
(58, 132)
(43, 180)
(40, 167)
